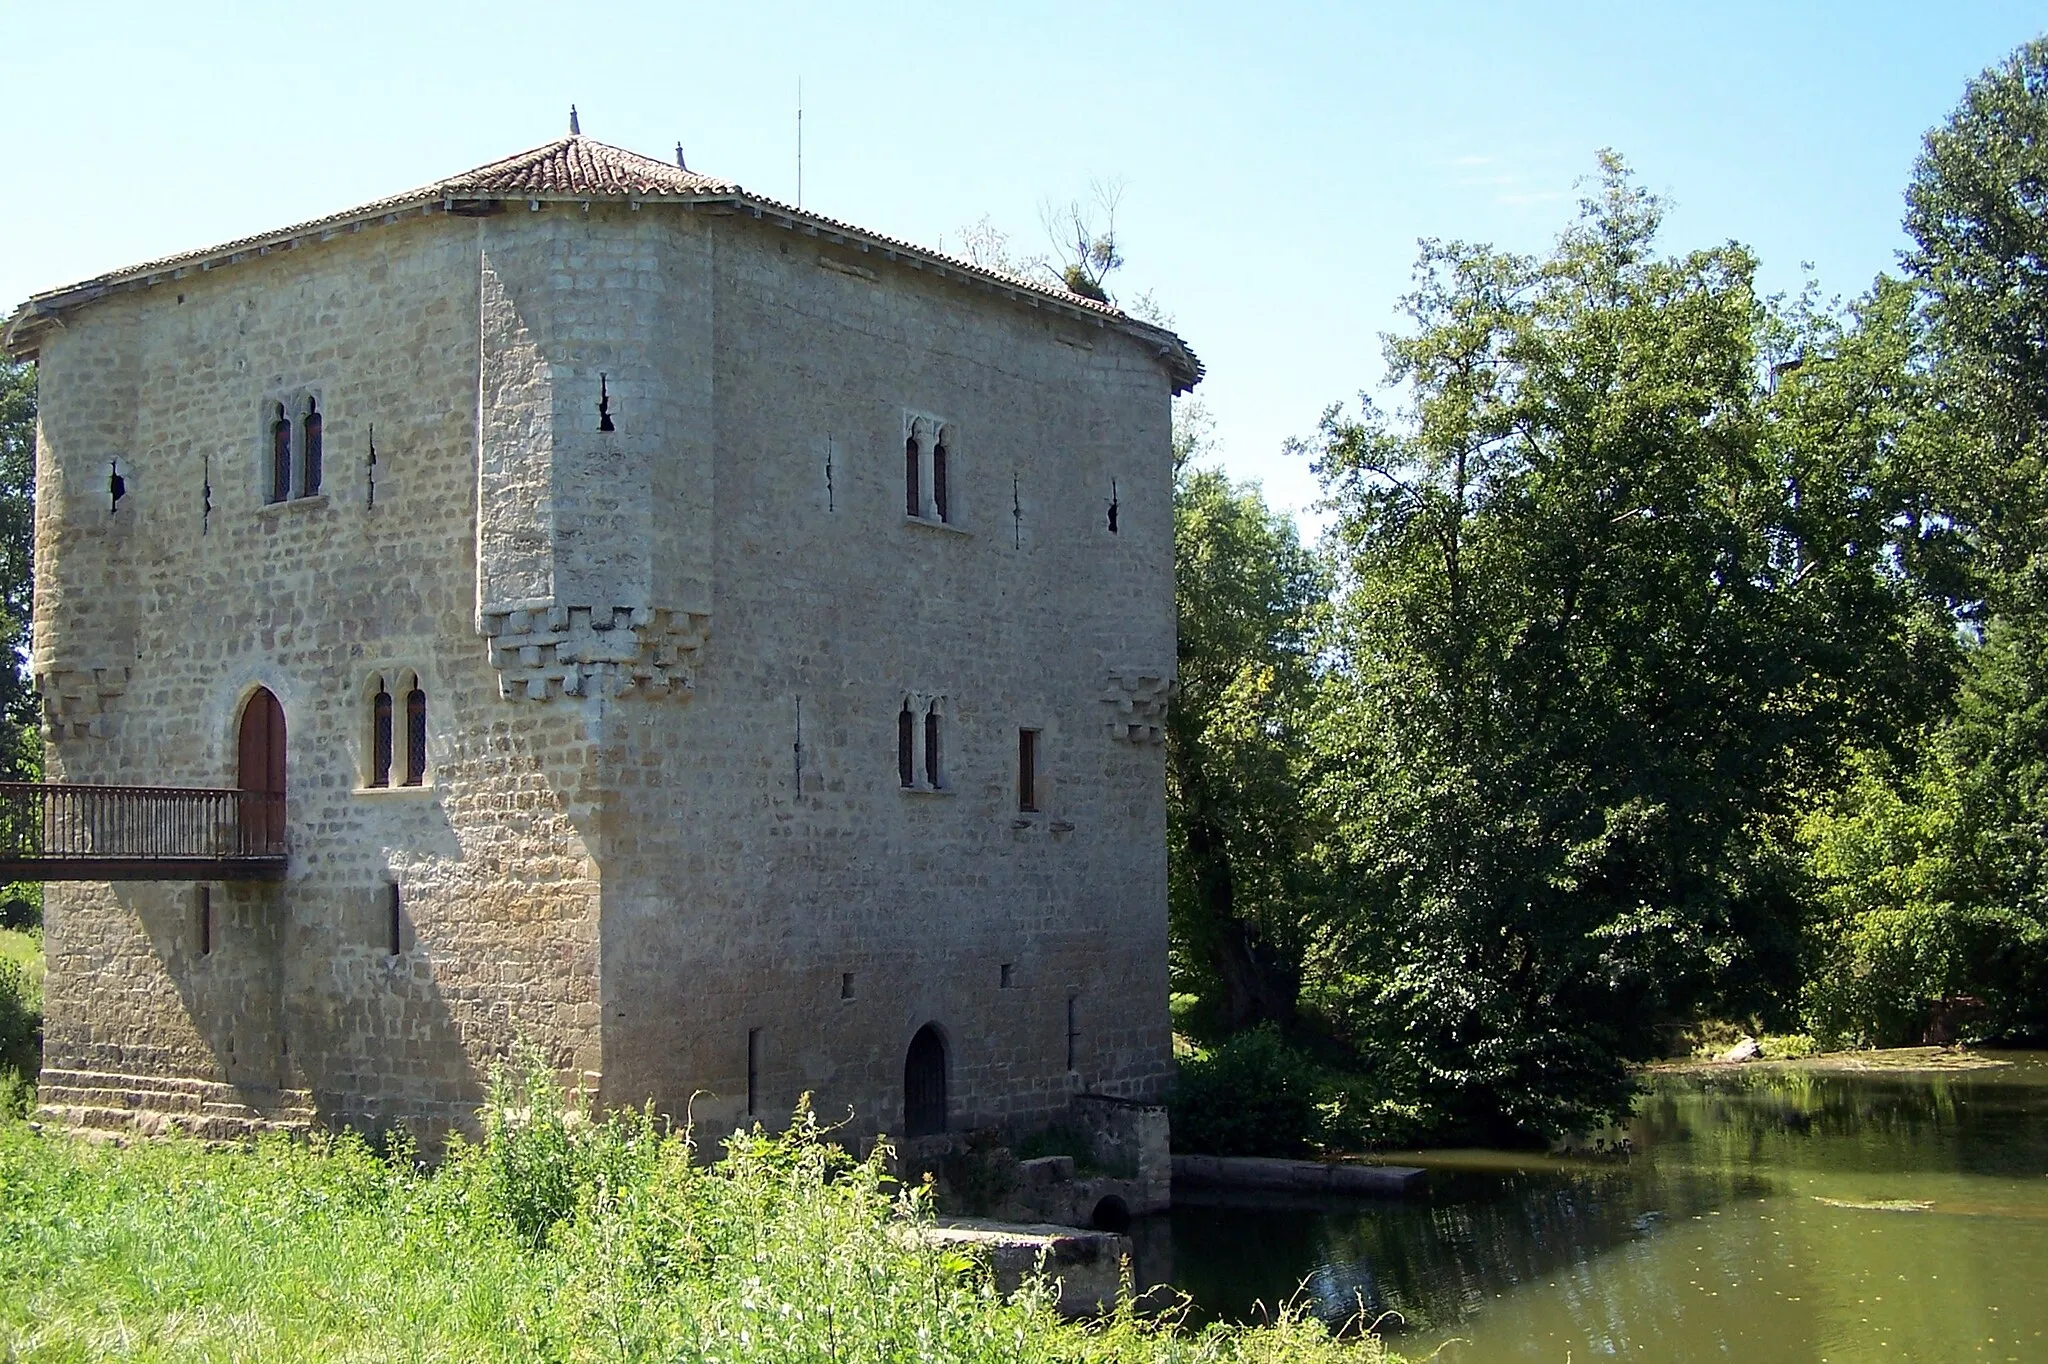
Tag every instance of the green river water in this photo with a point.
(1761, 1214)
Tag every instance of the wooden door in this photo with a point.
(260, 773)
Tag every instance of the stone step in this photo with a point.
(171, 1089)
(90, 1119)
(140, 1100)
(1085, 1265)
(108, 1105)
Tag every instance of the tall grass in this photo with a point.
(554, 1238)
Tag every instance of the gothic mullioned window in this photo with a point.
(921, 744)
(395, 753)
(294, 447)
(927, 481)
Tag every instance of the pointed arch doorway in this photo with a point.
(924, 1084)
(260, 773)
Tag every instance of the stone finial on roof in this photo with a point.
(680, 163)
(575, 128)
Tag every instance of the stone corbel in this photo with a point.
(543, 651)
(1138, 699)
(79, 702)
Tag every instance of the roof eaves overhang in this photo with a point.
(19, 339)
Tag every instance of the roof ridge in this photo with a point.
(572, 167)
(516, 158)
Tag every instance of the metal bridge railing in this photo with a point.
(44, 824)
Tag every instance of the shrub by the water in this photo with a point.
(557, 1237)
(1251, 1096)
(1257, 1095)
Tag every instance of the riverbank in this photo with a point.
(552, 1240)
(1879, 1206)
(1892, 1060)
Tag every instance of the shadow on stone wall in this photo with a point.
(303, 1011)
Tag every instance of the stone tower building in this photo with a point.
(721, 646)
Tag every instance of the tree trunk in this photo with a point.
(1259, 984)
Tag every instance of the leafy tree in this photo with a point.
(20, 749)
(1934, 871)
(1977, 210)
(1240, 838)
(1611, 601)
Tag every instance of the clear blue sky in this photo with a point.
(1281, 159)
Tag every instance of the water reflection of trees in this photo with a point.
(1840, 1123)
(1432, 1262)
(1613, 1250)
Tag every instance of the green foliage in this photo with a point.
(17, 1096)
(1980, 263)
(979, 1175)
(20, 747)
(1242, 843)
(1929, 888)
(1085, 239)
(21, 1010)
(786, 1249)
(1252, 1096)
(531, 1171)
(1611, 601)
(1256, 1095)
(21, 906)
(1931, 870)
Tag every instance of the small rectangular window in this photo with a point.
(1027, 770)
(934, 772)
(202, 917)
(1009, 976)
(1073, 1032)
(846, 985)
(394, 921)
(753, 1071)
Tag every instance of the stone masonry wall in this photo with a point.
(194, 591)
(741, 901)
(664, 665)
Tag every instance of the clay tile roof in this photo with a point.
(577, 165)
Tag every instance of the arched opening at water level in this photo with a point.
(1111, 1214)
